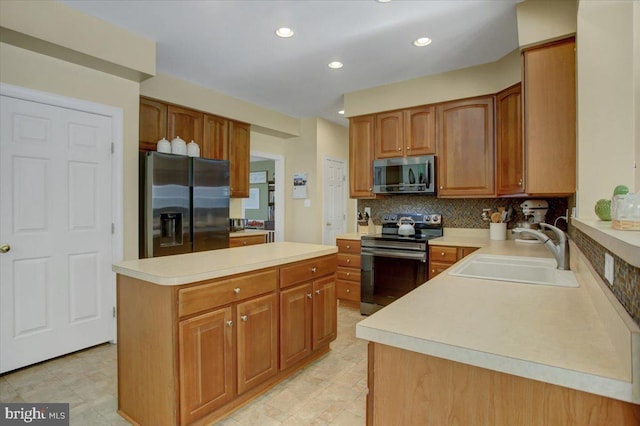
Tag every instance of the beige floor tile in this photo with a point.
(331, 391)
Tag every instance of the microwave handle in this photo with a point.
(428, 174)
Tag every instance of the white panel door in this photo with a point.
(56, 289)
(335, 198)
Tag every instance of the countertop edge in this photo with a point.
(604, 386)
(625, 244)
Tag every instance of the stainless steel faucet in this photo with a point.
(560, 251)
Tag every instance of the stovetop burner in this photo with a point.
(426, 227)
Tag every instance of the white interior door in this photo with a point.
(56, 285)
(335, 200)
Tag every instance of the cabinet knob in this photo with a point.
(236, 290)
(309, 295)
(441, 187)
(230, 323)
(243, 317)
(244, 243)
(408, 148)
(370, 189)
(348, 290)
(441, 253)
(348, 246)
(520, 182)
(348, 273)
(317, 291)
(314, 269)
(399, 149)
(433, 270)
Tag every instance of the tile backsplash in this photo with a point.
(459, 213)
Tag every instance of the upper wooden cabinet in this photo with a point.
(185, 123)
(153, 123)
(466, 148)
(361, 130)
(509, 148)
(405, 133)
(549, 76)
(239, 155)
(218, 137)
(215, 142)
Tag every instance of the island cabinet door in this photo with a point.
(324, 311)
(295, 324)
(257, 330)
(206, 363)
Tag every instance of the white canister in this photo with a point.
(164, 146)
(193, 150)
(178, 146)
(498, 231)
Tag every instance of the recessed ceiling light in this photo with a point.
(383, 1)
(284, 32)
(422, 41)
(341, 112)
(335, 65)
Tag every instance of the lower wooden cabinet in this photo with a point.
(442, 257)
(247, 240)
(348, 283)
(194, 353)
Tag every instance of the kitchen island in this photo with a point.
(201, 334)
(473, 351)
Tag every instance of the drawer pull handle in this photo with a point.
(314, 269)
(309, 295)
(348, 273)
(433, 270)
(243, 317)
(348, 290)
(317, 291)
(236, 290)
(348, 260)
(348, 246)
(230, 323)
(244, 243)
(441, 253)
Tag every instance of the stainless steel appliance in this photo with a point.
(184, 204)
(393, 264)
(405, 175)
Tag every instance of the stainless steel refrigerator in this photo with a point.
(184, 204)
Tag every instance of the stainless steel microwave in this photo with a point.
(405, 175)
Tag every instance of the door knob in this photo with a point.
(5, 248)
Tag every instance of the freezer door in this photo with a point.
(210, 183)
(165, 206)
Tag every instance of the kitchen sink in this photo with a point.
(517, 269)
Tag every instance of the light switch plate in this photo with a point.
(608, 268)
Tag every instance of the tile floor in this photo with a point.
(331, 391)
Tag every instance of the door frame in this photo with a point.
(279, 191)
(345, 195)
(117, 188)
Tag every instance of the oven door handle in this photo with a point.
(398, 254)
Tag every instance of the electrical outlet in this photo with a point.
(608, 268)
(573, 212)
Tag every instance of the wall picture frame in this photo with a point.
(258, 177)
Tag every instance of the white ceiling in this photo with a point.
(230, 46)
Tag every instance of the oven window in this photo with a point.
(393, 278)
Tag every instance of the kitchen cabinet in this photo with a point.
(361, 153)
(308, 314)
(218, 137)
(247, 240)
(466, 148)
(442, 257)
(348, 278)
(509, 146)
(549, 95)
(239, 156)
(215, 138)
(186, 123)
(153, 123)
(403, 133)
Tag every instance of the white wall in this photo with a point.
(607, 61)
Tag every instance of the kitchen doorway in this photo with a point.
(60, 224)
(334, 200)
(274, 198)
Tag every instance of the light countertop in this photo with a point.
(574, 337)
(206, 265)
(351, 236)
(248, 233)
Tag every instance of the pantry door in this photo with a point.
(56, 284)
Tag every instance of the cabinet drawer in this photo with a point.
(207, 296)
(349, 274)
(347, 290)
(307, 270)
(246, 240)
(436, 268)
(348, 246)
(349, 260)
(443, 254)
